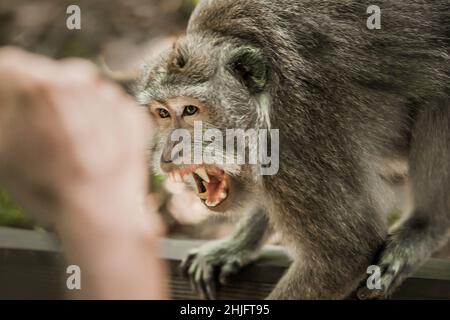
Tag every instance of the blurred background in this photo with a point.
(122, 34)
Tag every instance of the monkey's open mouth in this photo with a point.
(211, 184)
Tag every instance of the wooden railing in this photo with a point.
(32, 267)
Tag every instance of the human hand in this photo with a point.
(73, 151)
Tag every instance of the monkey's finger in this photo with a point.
(186, 263)
(199, 285)
(209, 282)
(211, 290)
(227, 271)
(391, 278)
(388, 280)
(191, 273)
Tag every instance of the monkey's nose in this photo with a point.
(166, 159)
(166, 162)
(167, 156)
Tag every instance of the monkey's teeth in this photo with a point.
(212, 204)
(189, 179)
(201, 172)
(177, 177)
(203, 195)
(223, 195)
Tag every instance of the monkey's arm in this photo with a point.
(226, 256)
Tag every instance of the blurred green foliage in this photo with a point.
(156, 182)
(12, 215)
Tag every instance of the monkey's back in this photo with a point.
(413, 42)
(332, 69)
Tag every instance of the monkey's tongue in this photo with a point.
(212, 192)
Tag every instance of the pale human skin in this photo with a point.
(73, 152)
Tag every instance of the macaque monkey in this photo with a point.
(354, 107)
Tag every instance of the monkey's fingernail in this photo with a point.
(201, 172)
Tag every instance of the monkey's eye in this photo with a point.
(190, 110)
(163, 113)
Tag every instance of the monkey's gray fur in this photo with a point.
(349, 102)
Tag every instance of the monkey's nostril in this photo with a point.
(166, 156)
(166, 159)
(166, 165)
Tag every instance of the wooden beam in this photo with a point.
(32, 267)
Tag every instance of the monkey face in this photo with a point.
(198, 93)
(179, 118)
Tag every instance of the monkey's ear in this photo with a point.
(249, 66)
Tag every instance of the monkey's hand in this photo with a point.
(214, 263)
(396, 263)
